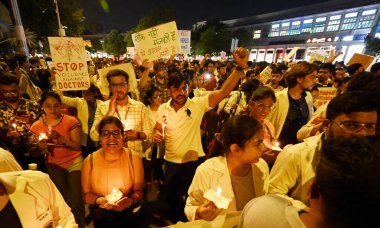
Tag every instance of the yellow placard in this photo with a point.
(127, 67)
(69, 60)
(157, 42)
(365, 60)
(326, 94)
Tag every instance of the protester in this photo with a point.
(277, 77)
(159, 80)
(325, 73)
(182, 118)
(132, 113)
(348, 198)
(349, 114)
(16, 116)
(234, 166)
(62, 149)
(109, 169)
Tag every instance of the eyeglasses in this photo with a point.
(114, 86)
(157, 97)
(354, 127)
(107, 134)
(261, 106)
(163, 68)
(7, 93)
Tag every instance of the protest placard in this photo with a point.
(291, 53)
(318, 55)
(365, 60)
(157, 42)
(266, 75)
(127, 67)
(185, 39)
(69, 61)
(326, 94)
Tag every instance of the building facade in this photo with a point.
(342, 25)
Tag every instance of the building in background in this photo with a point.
(341, 24)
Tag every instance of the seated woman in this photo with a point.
(261, 104)
(62, 149)
(109, 169)
(235, 167)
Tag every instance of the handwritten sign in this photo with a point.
(326, 94)
(69, 60)
(291, 53)
(127, 67)
(184, 39)
(157, 42)
(266, 75)
(365, 60)
(317, 56)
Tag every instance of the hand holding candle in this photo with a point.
(114, 196)
(217, 198)
(276, 147)
(163, 130)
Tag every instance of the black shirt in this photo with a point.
(9, 216)
(298, 115)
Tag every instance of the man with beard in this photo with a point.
(159, 80)
(276, 79)
(349, 114)
(16, 116)
(294, 106)
(325, 74)
(178, 123)
(132, 113)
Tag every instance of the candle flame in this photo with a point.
(114, 191)
(42, 136)
(218, 191)
(14, 125)
(277, 144)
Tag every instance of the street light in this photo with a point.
(61, 30)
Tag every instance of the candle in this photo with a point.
(32, 166)
(126, 126)
(217, 198)
(42, 136)
(276, 146)
(14, 126)
(49, 127)
(58, 227)
(114, 196)
(163, 130)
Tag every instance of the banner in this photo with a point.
(318, 55)
(127, 67)
(157, 42)
(69, 60)
(326, 94)
(266, 75)
(365, 60)
(185, 39)
(291, 53)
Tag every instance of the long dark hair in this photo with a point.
(236, 130)
(149, 94)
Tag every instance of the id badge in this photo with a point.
(46, 220)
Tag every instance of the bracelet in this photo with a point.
(133, 200)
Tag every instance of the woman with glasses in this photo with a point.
(234, 168)
(59, 139)
(261, 104)
(153, 152)
(112, 179)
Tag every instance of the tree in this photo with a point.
(114, 43)
(212, 41)
(95, 46)
(372, 45)
(155, 17)
(244, 36)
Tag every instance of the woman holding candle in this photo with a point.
(112, 178)
(153, 152)
(261, 104)
(234, 167)
(64, 157)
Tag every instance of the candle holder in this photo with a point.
(114, 196)
(217, 198)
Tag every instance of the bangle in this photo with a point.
(239, 68)
(96, 200)
(133, 200)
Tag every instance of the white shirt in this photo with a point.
(182, 132)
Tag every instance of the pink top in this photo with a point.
(59, 154)
(106, 175)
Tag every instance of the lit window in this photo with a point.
(257, 34)
(355, 14)
(307, 25)
(321, 19)
(295, 29)
(369, 12)
(319, 25)
(349, 21)
(274, 30)
(284, 29)
(348, 38)
(335, 17)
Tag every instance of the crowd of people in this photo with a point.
(265, 144)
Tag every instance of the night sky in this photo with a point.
(125, 14)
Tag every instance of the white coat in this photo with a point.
(36, 199)
(214, 173)
(278, 115)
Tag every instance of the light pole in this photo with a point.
(19, 28)
(61, 31)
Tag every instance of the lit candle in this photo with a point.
(58, 227)
(42, 136)
(217, 198)
(126, 126)
(49, 127)
(276, 146)
(14, 126)
(114, 196)
(163, 130)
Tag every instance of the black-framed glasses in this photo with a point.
(117, 134)
(352, 127)
(115, 85)
(261, 106)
